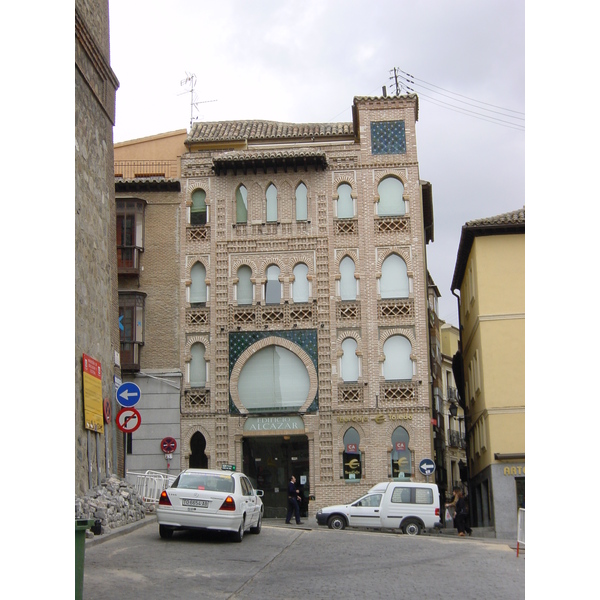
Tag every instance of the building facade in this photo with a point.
(490, 274)
(453, 415)
(96, 327)
(303, 336)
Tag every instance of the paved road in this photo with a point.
(288, 562)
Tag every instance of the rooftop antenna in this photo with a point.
(190, 79)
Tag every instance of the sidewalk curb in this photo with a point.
(119, 531)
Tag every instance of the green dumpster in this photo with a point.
(80, 527)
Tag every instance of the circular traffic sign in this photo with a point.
(128, 394)
(168, 445)
(128, 420)
(427, 466)
(107, 410)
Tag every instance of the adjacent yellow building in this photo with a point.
(490, 274)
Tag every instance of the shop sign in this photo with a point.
(514, 470)
(379, 419)
(284, 423)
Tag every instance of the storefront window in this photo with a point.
(352, 457)
(401, 459)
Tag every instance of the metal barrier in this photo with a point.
(520, 529)
(149, 485)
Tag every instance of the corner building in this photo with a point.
(303, 296)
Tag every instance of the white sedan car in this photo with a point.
(207, 499)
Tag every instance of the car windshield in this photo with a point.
(205, 481)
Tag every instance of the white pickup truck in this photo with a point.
(411, 507)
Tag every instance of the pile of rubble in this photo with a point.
(114, 503)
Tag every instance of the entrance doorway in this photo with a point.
(198, 458)
(270, 462)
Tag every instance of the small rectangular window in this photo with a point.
(401, 495)
(423, 496)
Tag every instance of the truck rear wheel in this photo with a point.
(411, 527)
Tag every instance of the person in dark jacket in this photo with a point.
(461, 513)
(293, 499)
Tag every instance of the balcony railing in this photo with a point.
(128, 260)
(456, 439)
(131, 169)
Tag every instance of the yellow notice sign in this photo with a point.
(92, 394)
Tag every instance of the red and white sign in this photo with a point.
(400, 446)
(351, 448)
(168, 445)
(128, 420)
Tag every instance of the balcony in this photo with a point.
(146, 169)
(456, 439)
(128, 260)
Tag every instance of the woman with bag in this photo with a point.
(461, 512)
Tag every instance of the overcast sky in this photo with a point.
(305, 61)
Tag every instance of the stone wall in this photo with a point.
(96, 306)
(114, 503)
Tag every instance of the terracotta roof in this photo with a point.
(253, 160)
(515, 217)
(147, 184)
(264, 130)
(243, 155)
(504, 224)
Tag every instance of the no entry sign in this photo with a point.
(128, 420)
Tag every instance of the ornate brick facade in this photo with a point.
(262, 157)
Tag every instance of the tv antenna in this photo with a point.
(190, 80)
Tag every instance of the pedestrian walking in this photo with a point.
(461, 512)
(293, 499)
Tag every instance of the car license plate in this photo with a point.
(193, 502)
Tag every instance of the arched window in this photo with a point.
(347, 279)
(301, 203)
(244, 285)
(272, 286)
(394, 278)
(241, 205)
(198, 210)
(401, 458)
(345, 204)
(273, 378)
(198, 286)
(352, 456)
(398, 364)
(300, 288)
(271, 203)
(197, 365)
(349, 363)
(391, 202)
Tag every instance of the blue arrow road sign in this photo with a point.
(427, 466)
(128, 394)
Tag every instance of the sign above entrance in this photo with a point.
(293, 424)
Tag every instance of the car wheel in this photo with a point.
(166, 533)
(336, 522)
(256, 529)
(411, 528)
(238, 536)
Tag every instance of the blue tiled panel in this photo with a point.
(388, 137)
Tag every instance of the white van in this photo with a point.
(411, 507)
